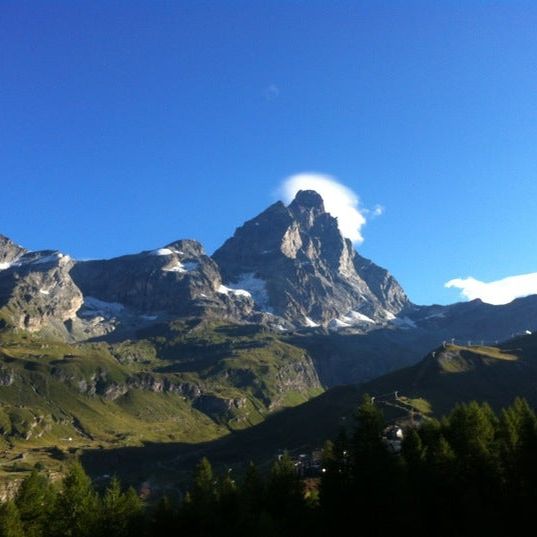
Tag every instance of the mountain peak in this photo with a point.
(9, 250)
(307, 271)
(186, 247)
(308, 199)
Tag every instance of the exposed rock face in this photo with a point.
(36, 289)
(7, 376)
(178, 279)
(383, 285)
(9, 252)
(296, 264)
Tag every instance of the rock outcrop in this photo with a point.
(36, 290)
(178, 280)
(297, 264)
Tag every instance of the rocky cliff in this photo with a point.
(179, 279)
(36, 289)
(296, 264)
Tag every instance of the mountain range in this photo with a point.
(289, 268)
(173, 345)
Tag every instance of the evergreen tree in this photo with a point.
(203, 491)
(471, 430)
(377, 478)
(285, 497)
(76, 512)
(413, 451)
(367, 439)
(121, 512)
(251, 494)
(35, 502)
(252, 491)
(201, 502)
(334, 486)
(228, 505)
(438, 495)
(10, 521)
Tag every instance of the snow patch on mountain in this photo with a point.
(50, 259)
(93, 306)
(161, 252)
(256, 287)
(336, 324)
(310, 323)
(223, 290)
(355, 317)
(187, 266)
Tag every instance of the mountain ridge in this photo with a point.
(287, 267)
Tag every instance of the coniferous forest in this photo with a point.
(472, 473)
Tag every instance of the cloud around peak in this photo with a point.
(497, 292)
(339, 200)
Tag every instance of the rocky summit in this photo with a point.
(296, 264)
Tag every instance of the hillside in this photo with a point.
(434, 386)
(179, 383)
(457, 373)
(168, 353)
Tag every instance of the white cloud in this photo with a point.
(339, 200)
(498, 292)
(378, 210)
(271, 92)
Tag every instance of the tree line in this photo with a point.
(474, 472)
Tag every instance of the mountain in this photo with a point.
(296, 264)
(179, 280)
(173, 346)
(289, 270)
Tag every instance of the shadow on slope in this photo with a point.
(299, 428)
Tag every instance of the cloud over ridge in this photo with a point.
(339, 200)
(497, 292)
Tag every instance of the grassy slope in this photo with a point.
(48, 411)
(436, 384)
(298, 429)
(161, 436)
(457, 374)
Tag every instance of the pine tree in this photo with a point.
(368, 450)
(121, 512)
(525, 462)
(376, 473)
(285, 496)
(201, 502)
(35, 502)
(334, 486)
(252, 491)
(76, 512)
(228, 505)
(412, 451)
(251, 494)
(10, 521)
(203, 491)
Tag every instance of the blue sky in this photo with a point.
(126, 125)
